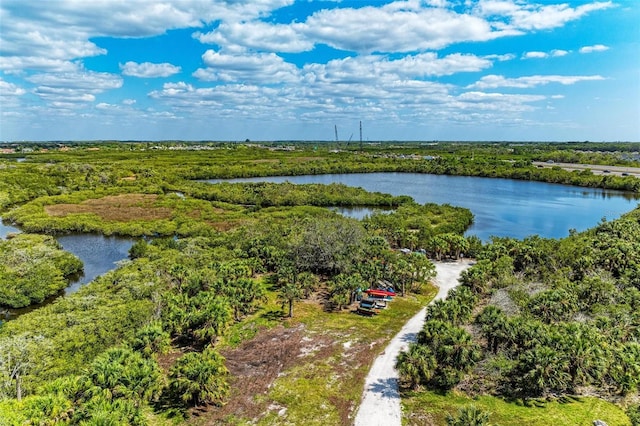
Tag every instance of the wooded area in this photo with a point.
(142, 344)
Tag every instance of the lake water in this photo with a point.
(501, 207)
(6, 229)
(99, 255)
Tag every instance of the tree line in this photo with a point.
(539, 318)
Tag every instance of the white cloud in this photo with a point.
(492, 99)
(267, 68)
(148, 69)
(396, 28)
(63, 95)
(501, 58)
(392, 76)
(47, 35)
(594, 48)
(556, 53)
(259, 36)
(72, 87)
(91, 81)
(496, 81)
(10, 95)
(523, 16)
(10, 89)
(376, 69)
(234, 100)
(535, 55)
(16, 64)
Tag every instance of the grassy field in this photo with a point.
(430, 408)
(309, 369)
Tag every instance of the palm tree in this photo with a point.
(416, 365)
(469, 415)
(584, 349)
(121, 372)
(541, 370)
(289, 293)
(493, 323)
(458, 349)
(199, 378)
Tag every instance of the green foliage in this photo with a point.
(468, 415)
(32, 268)
(36, 409)
(416, 226)
(79, 327)
(453, 349)
(267, 194)
(327, 245)
(570, 411)
(151, 339)
(343, 287)
(123, 373)
(416, 365)
(199, 378)
(102, 410)
(633, 412)
(572, 304)
(202, 317)
(553, 305)
(18, 361)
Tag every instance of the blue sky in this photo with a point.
(292, 70)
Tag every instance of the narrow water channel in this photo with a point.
(99, 254)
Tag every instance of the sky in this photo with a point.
(269, 70)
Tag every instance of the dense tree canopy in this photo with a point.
(32, 268)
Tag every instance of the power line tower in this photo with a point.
(361, 136)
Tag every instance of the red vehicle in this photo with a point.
(380, 293)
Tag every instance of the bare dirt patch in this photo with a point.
(254, 366)
(119, 208)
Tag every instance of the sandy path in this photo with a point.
(381, 398)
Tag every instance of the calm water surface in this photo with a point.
(99, 255)
(501, 207)
(6, 229)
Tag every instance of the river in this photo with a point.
(501, 207)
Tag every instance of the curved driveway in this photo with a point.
(381, 398)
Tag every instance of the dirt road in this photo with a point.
(381, 398)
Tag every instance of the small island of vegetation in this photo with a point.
(236, 303)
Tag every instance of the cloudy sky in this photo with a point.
(293, 69)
